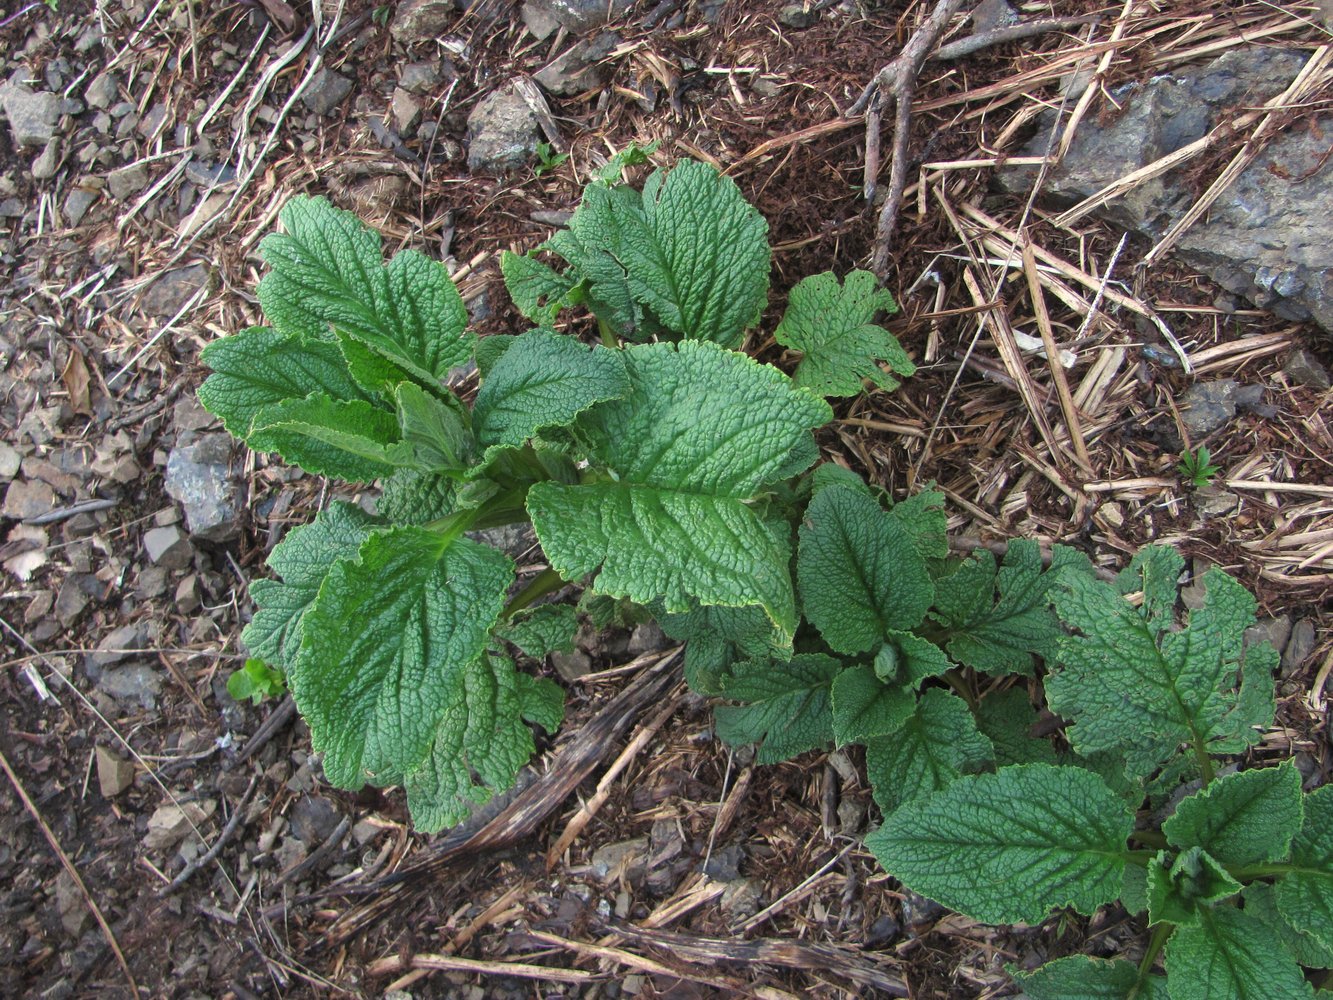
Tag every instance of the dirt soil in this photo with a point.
(129, 242)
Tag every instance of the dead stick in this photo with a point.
(72, 872)
(218, 844)
(1013, 32)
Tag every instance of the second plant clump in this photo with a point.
(665, 470)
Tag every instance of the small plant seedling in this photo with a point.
(548, 159)
(380, 14)
(256, 680)
(1196, 467)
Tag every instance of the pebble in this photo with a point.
(137, 684)
(102, 91)
(115, 647)
(1303, 368)
(27, 499)
(167, 547)
(1208, 406)
(114, 774)
(313, 819)
(502, 133)
(32, 115)
(10, 460)
(406, 111)
(47, 162)
(326, 91)
(125, 182)
(199, 479)
(795, 15)
(1300, 646)
(422, 20)
(173, 290)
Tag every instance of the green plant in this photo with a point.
(665, 471)
(256, 680)
(547, 158)
(380, 14)
(1196, 467)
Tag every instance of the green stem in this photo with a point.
(1150, 838)
(1159, 935)
(1141, 858)
(958, 684)
(1201, 754)
(548, 581)
(1245, 873)
(605, 332)
(451, 526)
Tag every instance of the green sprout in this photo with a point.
(1196, 467)
(256, 681)
(548, 158)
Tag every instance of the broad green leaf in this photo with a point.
(932, 748)
(715, 637)
(392, 679)
(999, 635)
(434, 431)
(328, 271)
(829, 474)
(261, 366)
(1305, 894)
(538, 291)
(831, 325)
(1241, 818)
(1006, 719)
(1082, 978)
(631, 156)
(1179, 887)
(865, 707)
(1261, 903)
(490, 350)
(412, 497)
(541, 702)
(690, 254)
(1134, 686)
(922, 516)
(700, 433)
(354, 441)
(859, 573)
(1134, 894)
(255, 681)
(1013, 845)
(906, 658)
(788, 706)
(1154, 572)
(542, 630)
(302, 559)
(543, 379)
(1231, 954)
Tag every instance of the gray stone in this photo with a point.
(420, 77)
(576, 70)
(539, 20)
(121, 644)
(136, 684)
(199, 478)
(1305, 369)
(48, 160)
(646, 638)
(514, 540)
(1274, 631)
(10, 460)
(795, 15)
(406, 111)
(422, 20)
(32, 115)
(626, 857)
(114, 774)
(326, 91)
(27, 498)
(991, 14)
(71, 600)
(125, 182)
(1266, 236)
(572, 666)
(1208, 406)
(741, 899)
(167, 547)
(314, 819)
(502, 133)
(171, 291)
(103, 91)
(152, 121)
(578, 16)
(217, 176)
(1299, 647)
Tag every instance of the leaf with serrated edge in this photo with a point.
(537, 290)
(859, 573)
(302, 560)
(1261, 903)
(1082, 978)
(412, 497)
(433, 430)
(328, 271)
(788, 706)
(1231, 954)
(542, 630)
(1133, 686)
(391, 672)
(865, 707)
(933, 747)
(1179, 887)
(543, 379)
(1013, 845)
(353, 441)
(700, 433)
(261, 366)
(1241, 818)
(830, 324)
(1006, 718)
(1305, 894)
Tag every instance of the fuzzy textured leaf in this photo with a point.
(1241, 818)
(788, 706)
(716, 637)
(1261, 903)
(1231, 954)
(353, 441)
(1013, 845)
(538, 291)
(936, 745)
(1006, 718)
(865, 707)
(1082, 978)
(542, 630)
(906, 658)
(1305, 895)
(1179, 887)
(413, 497)
(831, 325)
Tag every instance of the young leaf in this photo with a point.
(1305, 894)
(1134, 687)
(1006, 718)
(859, 573)
(690, 253)
(391, 676)
(788, 706)
(538, 291)
(542, 630)
(1231, 954)
(865, 707)
(328, 271)
(1000, 635)
(302, 559)
(543, 379)
(255, 681)
(413, 497)
(1082, 978)
(1241, 818)
(1179, 887)
(831, 325)
(434, 431)
(906, 658)
(1013, 845)
(353, 441)
(261, 366)
(701, 431)
(1261, 903)
(932, 748)
(715, 637)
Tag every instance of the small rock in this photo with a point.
(851, 817)
(80, 198)
(70, 601)
(725, 864)
(572, 666)
(218, 176)
(765, 86)
(119, 645)
(795, 15)
(103, 91)
(187, 595)
(646, 638)
(199, 479)
(1274, 631)
(579, 16)
(502, 132)
(420, 77)
(170, 824)
(28, 498)
(1305, 369)
(626, 857)
(70, 904)
(366, 830)
(152, 121)
(406, 111)
(10, 460)
(741, 900)
(882, 931)
(919, 910)
(114, 775)
(167, 547)
(539, 20)
(326, 91)
(314, 819)
(1208, 406)
(1299, 647)
(44, 167)
(32, 116)
(991, 14)
(514, 540)
(422, 20)
(136, 684)
(1213, 501)
(575, 70)
(124, 183)
(169, 293)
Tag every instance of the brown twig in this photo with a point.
(1009, 33)
(227, 831)
(73, 874)
(267, 730)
